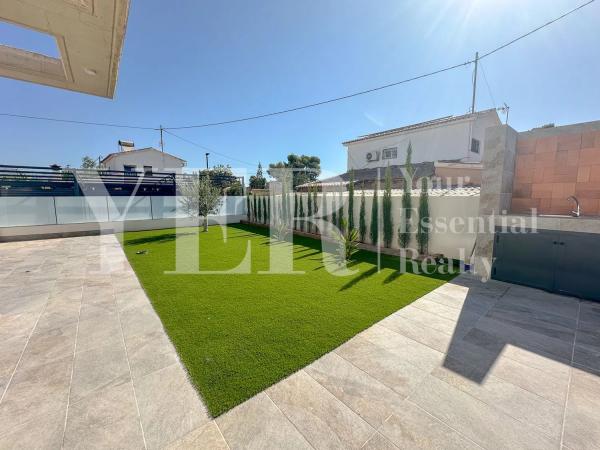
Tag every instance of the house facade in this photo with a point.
(453, 138)
(146, 160)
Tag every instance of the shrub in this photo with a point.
(259, 211)
(334, 210)
(404, 230)
(362, 222)
(265, 211)
(301, 213)
(375, 218)
(388, 221)
(346, 243)
(423, 225)
(248, 207)
(351, 201)
(310, 211)
(295, 211)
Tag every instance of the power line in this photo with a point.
(320, 103)
(323, 102)
(78, 122)
(386, 86)
(208, 149)
(577, 8)
(488, 85)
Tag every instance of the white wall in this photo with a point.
(160, 162)
(457, 243)
(434, 143)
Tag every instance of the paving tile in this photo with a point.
(38, 390)
(106, 419)
(140, 320)
(589, 315)
(582, 422)
(98, 330)
(507, 397)
(541, 322)
(97, 369)
(20, 324)
(468, 301)
(369, 398)
(378, 442)
(586, 357)
(418, 332)
(588, 337)
(10, 352)
(205, 437)
(44, 431)
(541, 300)
(324, 420)
(415, 428)
(47, 345)
(169, 406)
(428, 319)
(30, 302)
(149, 352)
(527, 339)
(412, 351)
(259, 424)
(478, 421)
(546, 383)
(389, 368)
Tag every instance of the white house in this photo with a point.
(452, 138)
(147, 160)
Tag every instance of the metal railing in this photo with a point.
(33, 181)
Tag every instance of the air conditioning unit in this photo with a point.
(373, 156)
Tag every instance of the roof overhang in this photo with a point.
(89, 35)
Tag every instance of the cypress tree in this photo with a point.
(405, 227)
(265, 212)
(333, 209)
(269, 212)
(388, 221)
(248, 207)
(301, 213)
(259, 212)
(340, 217)
(324, 206)
(423, 225)
(310, 210)
(254, 214)
(362, 221)
(351, 201)
(295, 210)
(375, 218)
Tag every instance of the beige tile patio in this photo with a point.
(259, 424)
(416, 429)
(322, 419)
(478, 421)
(366, 396)
(169, 406)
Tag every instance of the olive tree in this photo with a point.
(199, 197)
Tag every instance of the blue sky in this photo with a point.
(195, 62)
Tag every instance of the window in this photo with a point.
(148, 170)
(390, 153)
(474, 145)
(129, 169)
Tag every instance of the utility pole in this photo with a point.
(162, 144)
(206, 155)
(474, 83)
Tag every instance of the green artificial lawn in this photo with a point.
(237, 334)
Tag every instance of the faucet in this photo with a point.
(577, 212)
